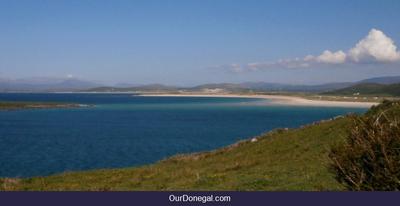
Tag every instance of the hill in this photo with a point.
(369, 89)
(245, 87)
(382, 80)
(274, 87)
(225, 87)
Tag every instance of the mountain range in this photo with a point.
(249, 87)
(44, 84)
(75, 85)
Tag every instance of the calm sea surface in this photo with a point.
(122, 130)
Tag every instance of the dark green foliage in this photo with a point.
(391, 108)
(370, 157)
(371, 89)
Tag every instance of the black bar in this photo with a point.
(198, 198)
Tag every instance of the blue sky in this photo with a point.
(192, 42)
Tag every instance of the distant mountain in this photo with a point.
(39, 84)
(369, 89)
(243, 87)
(164, 88)
(262, 86)
(221, 87)
(273, 87)
(125, 85)
(226, 87)
(383, 80)
(143, 88)
(42, 84)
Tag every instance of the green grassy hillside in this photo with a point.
(281, 160)
(369, 89)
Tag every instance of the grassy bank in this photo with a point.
(280, 160)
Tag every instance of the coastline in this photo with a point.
(95, 178)
(192, 163)
(277, 100)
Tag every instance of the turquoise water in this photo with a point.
(122, 130)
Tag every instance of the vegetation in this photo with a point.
(370, 157)
(33, 105)
(369, 89)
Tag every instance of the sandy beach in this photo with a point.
(279, 100)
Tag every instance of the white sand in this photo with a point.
(279, 100)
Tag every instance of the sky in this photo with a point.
(188, 42)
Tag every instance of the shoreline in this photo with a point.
(276, 99)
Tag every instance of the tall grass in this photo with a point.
(370, 157)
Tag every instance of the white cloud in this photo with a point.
(376, 47)
(332, 57)
(327, 57)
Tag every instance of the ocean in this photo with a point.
(123, 130)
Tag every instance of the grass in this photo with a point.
(280, 160)
(369, 160)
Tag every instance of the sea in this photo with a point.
(126, 130)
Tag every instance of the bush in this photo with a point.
(369, 159)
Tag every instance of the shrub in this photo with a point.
(369, 159)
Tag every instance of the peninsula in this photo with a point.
(276, 99)
(35, 105)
